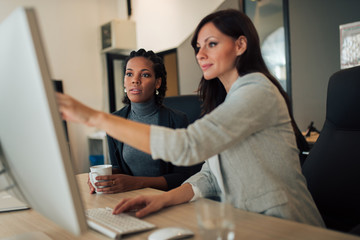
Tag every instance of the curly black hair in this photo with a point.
(159, 69)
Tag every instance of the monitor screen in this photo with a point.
(32, 135)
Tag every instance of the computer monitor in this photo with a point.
(32, 135)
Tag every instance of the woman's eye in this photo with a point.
(128, 74)
(212, 44)
(146, 75)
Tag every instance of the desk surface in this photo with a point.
(248, 225)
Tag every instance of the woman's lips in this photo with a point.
(135, 91)
(204, 67)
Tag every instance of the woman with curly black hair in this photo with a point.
(145, 88)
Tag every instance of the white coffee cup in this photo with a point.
(99, 170)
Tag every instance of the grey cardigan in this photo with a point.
(252, 135)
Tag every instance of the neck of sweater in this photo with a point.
(144, 108)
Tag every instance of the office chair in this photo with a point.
(188, 104)
(332, 168)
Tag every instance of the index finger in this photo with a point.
(128, 204)
(105, 177)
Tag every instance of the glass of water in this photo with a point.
(215, 218)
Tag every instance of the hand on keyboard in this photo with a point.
(102, 220)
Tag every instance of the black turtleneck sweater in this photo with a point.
(140, 163)
(136, 163)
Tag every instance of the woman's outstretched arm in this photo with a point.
(133, 133)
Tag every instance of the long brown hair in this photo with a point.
(234, 23)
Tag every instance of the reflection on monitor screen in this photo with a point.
(32, 135)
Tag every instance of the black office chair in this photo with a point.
(188, 104)
(332, 168)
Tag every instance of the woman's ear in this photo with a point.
(241, 45)
(158, 83)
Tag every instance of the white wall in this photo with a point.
(165, 24)
(71, 35)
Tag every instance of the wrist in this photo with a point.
(152, 182)
(97, 119)
(140, 182)
(168, 199)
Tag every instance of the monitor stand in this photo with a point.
(8, 203)
(11, 198)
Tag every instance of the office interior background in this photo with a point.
(72, 40)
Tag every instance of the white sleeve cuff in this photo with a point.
(197, 193)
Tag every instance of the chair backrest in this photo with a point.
(188, 104)
(332, 168)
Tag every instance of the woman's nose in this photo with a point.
(136, 80)
(200, 54)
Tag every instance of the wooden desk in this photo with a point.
(248, 225)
